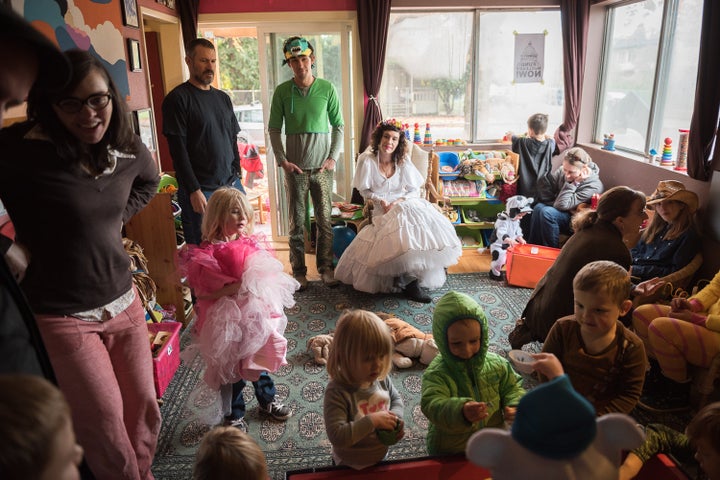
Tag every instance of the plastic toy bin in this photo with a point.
(526, 264)
(166, 359)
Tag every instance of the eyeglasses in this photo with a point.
(74, 105)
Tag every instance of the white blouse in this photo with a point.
(373, 185)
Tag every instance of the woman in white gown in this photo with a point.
(409, 243)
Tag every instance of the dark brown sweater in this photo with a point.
(70, 221)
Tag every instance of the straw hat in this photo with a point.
(673, 190)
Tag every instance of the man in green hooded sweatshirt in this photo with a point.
(465, 388)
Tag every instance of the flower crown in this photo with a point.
(391, 122)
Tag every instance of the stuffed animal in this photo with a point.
(409, 341)
(556, 435)
(319, 345)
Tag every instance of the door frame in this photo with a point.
(330, 22)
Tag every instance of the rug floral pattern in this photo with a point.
(301, 441)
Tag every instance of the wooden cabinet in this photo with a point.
(153, 229)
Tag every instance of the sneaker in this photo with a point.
(328, 278)
(414, 292)
(494, 276)
(276, 410)
(520, 335)
(302, 280)
(238, 423)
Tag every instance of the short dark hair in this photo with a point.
(538, 123)
(198, 42)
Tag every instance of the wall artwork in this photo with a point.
(95, 26)
(130, 13)
(134, 55)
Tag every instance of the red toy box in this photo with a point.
(166, 359)
(526, 264)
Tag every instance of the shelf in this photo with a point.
(153, 228)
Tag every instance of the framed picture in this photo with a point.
(134, 55)
(144, 127)
(130, 13)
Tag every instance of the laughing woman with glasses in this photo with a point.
(70, 177)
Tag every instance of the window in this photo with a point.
(649, 72)
(430, 76)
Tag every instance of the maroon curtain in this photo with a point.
(373, 19)
(188, 12)
(574, 15)
(704, 137)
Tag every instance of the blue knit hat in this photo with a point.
(554, 421)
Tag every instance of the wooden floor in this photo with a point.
(470, 262)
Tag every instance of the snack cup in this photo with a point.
(522, 361)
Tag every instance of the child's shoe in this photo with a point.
(495, 276)
(276, 410)
(666, 396)
(238, 423)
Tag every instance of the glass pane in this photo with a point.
(630, 72)
(502, 104)
(683, 61)
(427, 72)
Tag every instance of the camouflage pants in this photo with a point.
(320, 187)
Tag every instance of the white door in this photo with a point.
(332, 45)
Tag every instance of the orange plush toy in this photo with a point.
(410, 342)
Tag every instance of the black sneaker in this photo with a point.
(414, 292)
(671, 397)
(276, 410)
(494, 276)
(238, 423)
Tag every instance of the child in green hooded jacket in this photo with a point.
(465, 388)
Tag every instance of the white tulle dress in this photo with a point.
(242, 335)
(412, 239)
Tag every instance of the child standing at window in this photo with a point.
(363, 411)
(604, 360)
(535, 150)
(241, 292)
(507, 232)
(465, 388)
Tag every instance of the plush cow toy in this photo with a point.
(410, 342)
(555, 435)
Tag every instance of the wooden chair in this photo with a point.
(674, 281)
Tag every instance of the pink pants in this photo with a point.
(673, 342)
(105, 371)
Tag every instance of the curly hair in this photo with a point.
(398, 155)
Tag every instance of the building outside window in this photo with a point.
(454, 70)
(649, 73)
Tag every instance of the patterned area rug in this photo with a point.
(301, 441)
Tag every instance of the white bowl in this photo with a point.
(522, 361)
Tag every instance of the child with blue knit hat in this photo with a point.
(556, 434)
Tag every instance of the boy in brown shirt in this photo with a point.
(605, 361)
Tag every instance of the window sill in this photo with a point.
(597, 153)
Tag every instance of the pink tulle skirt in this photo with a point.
(242, 335)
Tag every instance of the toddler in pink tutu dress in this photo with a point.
(241, 292)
